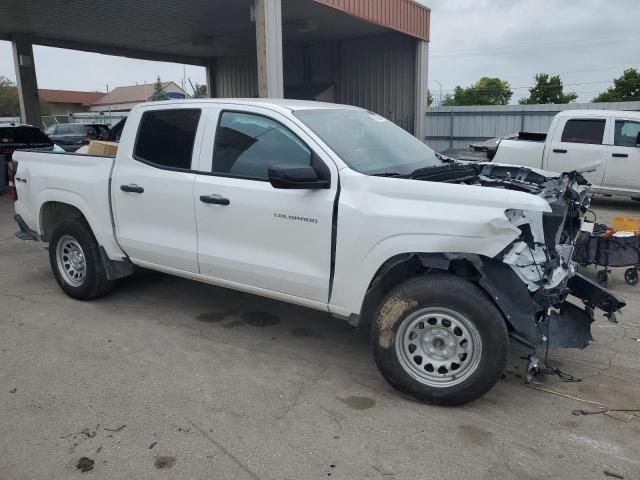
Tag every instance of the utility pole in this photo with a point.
(440, 93)
(109, 100)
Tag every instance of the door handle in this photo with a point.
(620, 155)
(214, 199)
(132, 188)
(559, 150)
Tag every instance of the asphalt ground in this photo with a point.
(168, 378)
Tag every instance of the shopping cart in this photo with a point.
(610, 247)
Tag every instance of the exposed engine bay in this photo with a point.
(535, 290)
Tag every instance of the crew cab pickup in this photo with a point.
(603, 144)
(334, 208)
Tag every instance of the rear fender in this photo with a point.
(101, 227)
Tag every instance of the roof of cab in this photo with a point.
(273, 103)
(598, 113)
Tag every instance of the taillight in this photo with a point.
(12, 168)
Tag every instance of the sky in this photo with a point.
(586, 42)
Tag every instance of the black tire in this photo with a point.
(407, 302)
(631, 276)
(94, 283)
(602, 277)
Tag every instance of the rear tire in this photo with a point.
(75, 261)
(439, 339)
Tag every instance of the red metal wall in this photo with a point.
(405, 16)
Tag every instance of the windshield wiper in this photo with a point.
(386, 174)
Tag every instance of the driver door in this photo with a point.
(250, 233)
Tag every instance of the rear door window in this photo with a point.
(166, 138)
(589, 131)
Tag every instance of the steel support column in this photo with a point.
(422, 87)
(268, 16)
(210, 67)
(26, 80)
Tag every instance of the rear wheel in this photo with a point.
(75, 261)
(439, 339)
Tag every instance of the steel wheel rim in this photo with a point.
(438, 347)
(72, 263)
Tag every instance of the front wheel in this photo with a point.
(440, 339)
(75, 261)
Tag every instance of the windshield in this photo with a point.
(369, 143)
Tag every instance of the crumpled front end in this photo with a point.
(562, 303)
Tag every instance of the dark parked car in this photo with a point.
(18, 137)
(71, 136)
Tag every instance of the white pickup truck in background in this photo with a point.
(604, 141)
(333, 208)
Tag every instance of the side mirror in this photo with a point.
(296, 178)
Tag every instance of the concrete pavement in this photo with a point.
(167, 378)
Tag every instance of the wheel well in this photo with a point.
(405, 266)
(53, 213)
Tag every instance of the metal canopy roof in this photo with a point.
(189, 31)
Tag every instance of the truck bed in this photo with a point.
(79, 180)
(528, 153)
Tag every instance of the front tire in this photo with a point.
(439, 339)
(75, 261)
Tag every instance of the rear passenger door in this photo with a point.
(623, 163)
(256, 235)
(576, 144)
(152, 188)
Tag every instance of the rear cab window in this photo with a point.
(166, 138)
(589, 131)
(23, 135)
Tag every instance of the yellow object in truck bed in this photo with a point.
(99, 147)
(625, 224)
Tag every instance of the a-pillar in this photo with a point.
(268, 17)
(26, 80)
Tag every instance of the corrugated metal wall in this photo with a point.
(236, 77)
(457, 127)
(406, 16)
(378, 73)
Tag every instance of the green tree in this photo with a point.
(158, 91)
(625, 88)
(486, 91)
(9, 103)
(429, 99)
(548, 89)
(198, 91)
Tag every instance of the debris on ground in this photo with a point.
(611, 473)
(85, 464)
(115, 429)
(152, 445)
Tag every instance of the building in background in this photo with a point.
(63, 102)
(368, 53)
(123, 99)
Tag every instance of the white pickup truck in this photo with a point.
(606, 142)
(334, 208)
